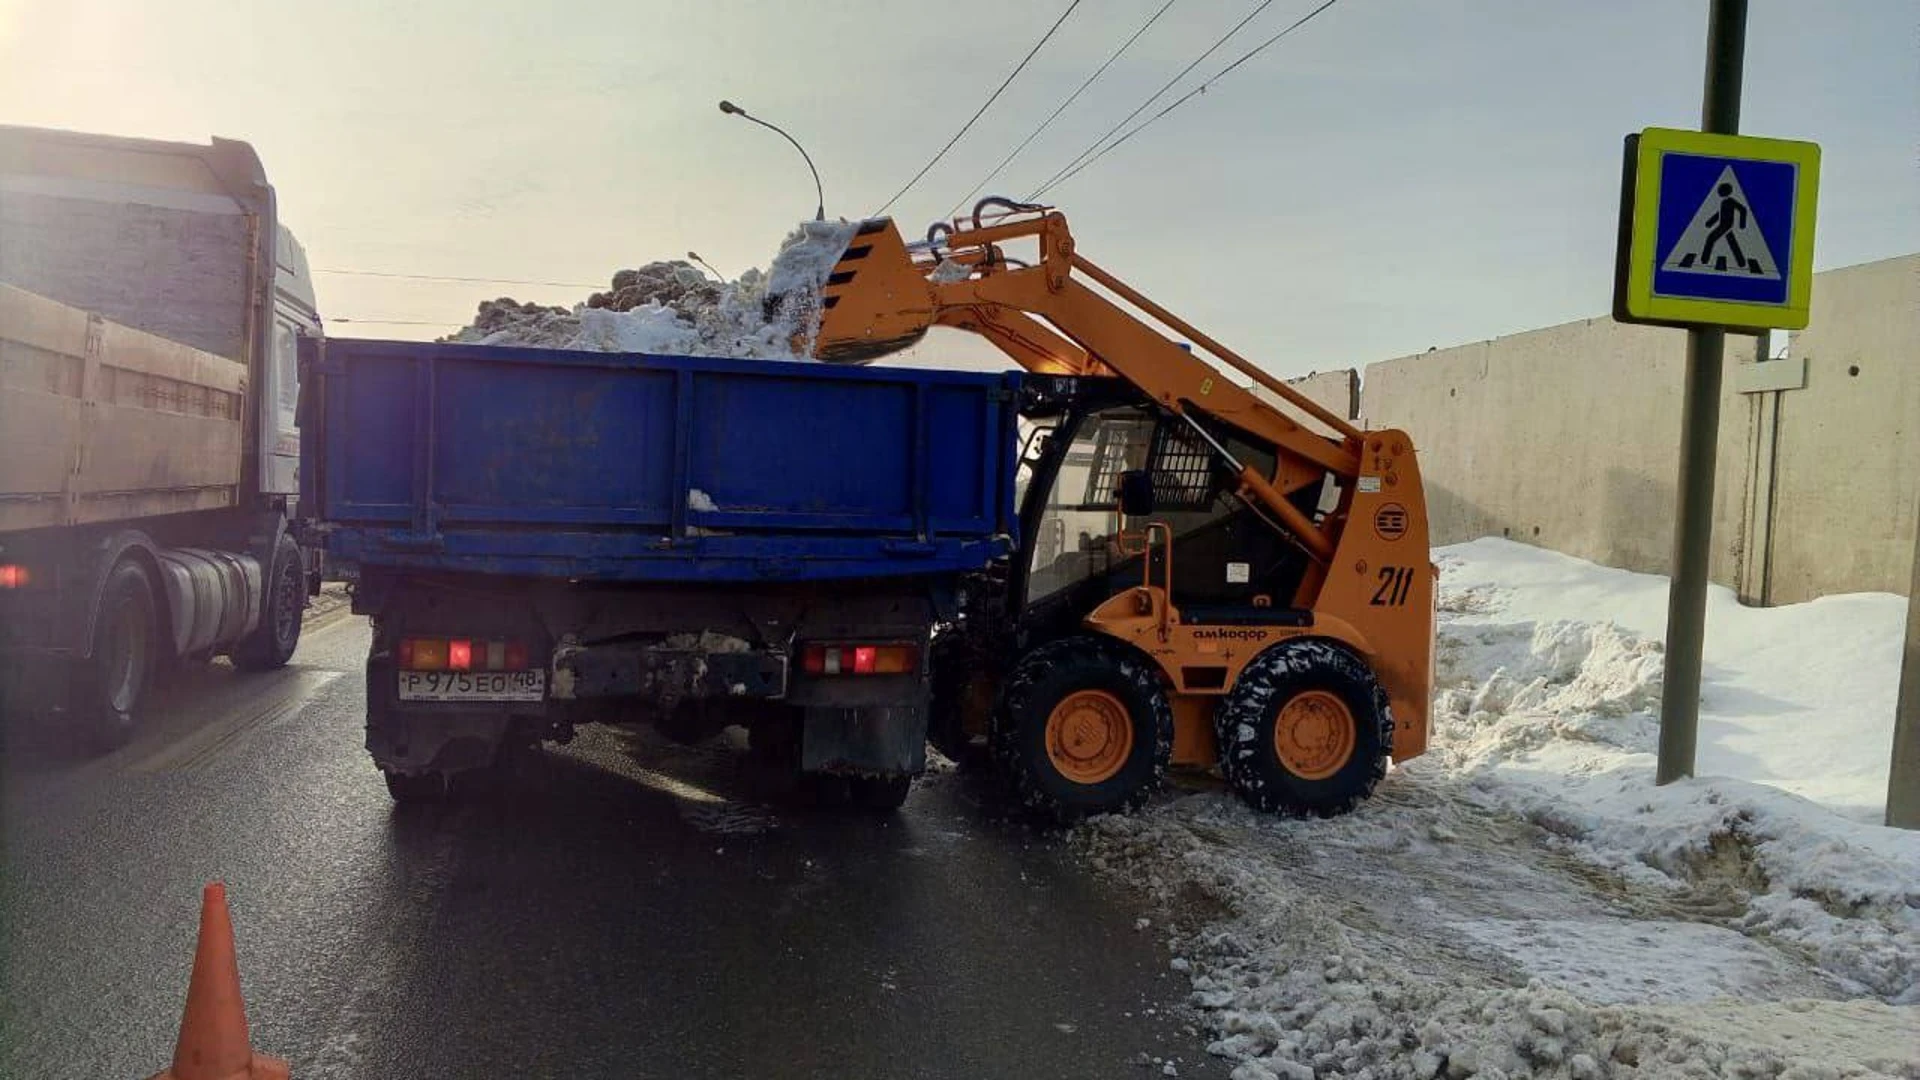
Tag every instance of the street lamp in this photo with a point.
(820, 205)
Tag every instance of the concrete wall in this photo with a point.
(1847, 487)
(1568, 437)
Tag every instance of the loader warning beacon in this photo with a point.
(1716, 230)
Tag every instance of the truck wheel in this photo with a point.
(410, 789)
(283, 599)
(881, 794)
(1306, 730)
(113, 683)
(1083, 727)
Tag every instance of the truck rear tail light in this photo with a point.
(859, 659)
(13, 576)
(462, 654)
(424, 654)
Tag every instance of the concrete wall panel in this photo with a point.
(1848, 490)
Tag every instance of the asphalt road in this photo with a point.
(624, 908)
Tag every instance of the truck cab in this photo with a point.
(296, 314)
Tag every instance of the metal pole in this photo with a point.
(1903, 777)
(1699, 433)
(819, 193)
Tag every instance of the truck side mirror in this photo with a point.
(1136, 493)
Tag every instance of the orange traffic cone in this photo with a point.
(213, 1031)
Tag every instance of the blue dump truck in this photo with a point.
(547, 538)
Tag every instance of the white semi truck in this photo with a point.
(150, 302)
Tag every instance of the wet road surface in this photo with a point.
(621, 909)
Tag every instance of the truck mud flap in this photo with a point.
(664, 675)
(436, 741)
(874, 740)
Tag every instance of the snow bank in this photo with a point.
(1548, 700)
(672, 308)
(1523, 901)
(1799, 697)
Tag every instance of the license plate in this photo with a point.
(473, 685)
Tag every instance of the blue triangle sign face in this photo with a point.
(1723, 238)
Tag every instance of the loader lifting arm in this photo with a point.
(883, 296)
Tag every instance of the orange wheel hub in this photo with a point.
(1089, 736)
(1314, 734)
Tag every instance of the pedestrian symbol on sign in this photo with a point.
(1723, 237)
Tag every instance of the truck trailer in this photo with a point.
(150, 302)
(547, 538)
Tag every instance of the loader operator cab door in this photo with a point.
(1223, 554)
(1078, 525)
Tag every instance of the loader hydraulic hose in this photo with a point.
(1008, 204)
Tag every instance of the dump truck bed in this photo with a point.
(99, 422)
(625, 467)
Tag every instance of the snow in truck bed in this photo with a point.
(672, 308)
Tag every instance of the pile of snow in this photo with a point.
(1548, 699)
(1799, 698)
(1523, 901)
(673, 308)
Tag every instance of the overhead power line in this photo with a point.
(1184, 98)
(1071, 98)
(995, 96)
(393, 322)
(464, 280)
(1142, 107)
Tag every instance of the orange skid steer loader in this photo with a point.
(1202, 578)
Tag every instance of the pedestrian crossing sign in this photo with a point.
(1716, 230)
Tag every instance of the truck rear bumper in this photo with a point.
(664, 675)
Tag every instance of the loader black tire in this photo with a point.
(954, 671)
(111, 685)
(1305, 730)
(282, 602)
(1086, 706)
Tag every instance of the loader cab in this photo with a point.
(1083, 437)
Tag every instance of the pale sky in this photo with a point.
(1396, 175)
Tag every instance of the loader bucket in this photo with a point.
(876, 301)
